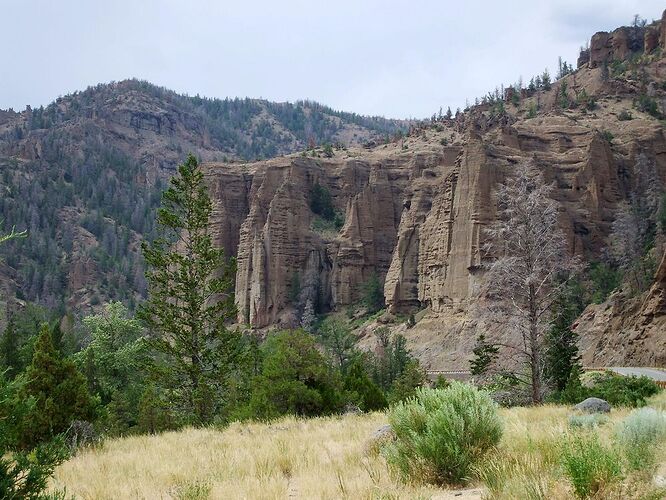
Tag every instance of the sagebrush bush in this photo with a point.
(442, 433)
(639, 434)
(589, 465)
(587, 421)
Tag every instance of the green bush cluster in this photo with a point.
(648, 105)
(617, 390)
(321, 202)
(442, 433)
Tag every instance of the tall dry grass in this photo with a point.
(328, 458)
(291, 458)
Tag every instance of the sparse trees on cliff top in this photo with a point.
(530, 269)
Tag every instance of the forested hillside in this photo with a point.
(84, 174)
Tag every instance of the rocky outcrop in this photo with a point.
(593, 405)
(615, 46)
(627, 327)
(621, 43)
(279, 241)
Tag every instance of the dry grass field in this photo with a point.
(324, 458)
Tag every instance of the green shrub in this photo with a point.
(589, 465)
(409, 381)
(295, 378)
(442, 433)
(321, 202)
(607, 136)
(23, 473)
(624, 115)
(373, 294)
(616, 389)
(587, 421)
(648, 105)
(361, 389)
(639, 434)
(603, 280)
(60, 393)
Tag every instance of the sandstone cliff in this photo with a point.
(415, 209)
(627, 327)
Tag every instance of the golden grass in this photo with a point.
(291, 458)
(319, 458)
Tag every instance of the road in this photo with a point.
(653, 373)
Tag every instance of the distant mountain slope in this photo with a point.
(84, 174)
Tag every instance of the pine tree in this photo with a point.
(484, 355)
(23, 474)
(59, 390)
(190, 300)
(562, 356)
(545, 79)
(338, 339)
(411, 378)
(295, 378)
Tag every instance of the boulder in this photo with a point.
(381, 436)
(593, 405)
(384, 432)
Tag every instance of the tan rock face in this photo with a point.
(415, 212)
(415, 219)
(276, 239)
(621, 43)
(627, 328)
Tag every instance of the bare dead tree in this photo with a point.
(530, 268)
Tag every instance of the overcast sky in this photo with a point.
(397, 59)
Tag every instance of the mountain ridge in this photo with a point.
(84, 174)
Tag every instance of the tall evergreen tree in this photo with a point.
(190, 299)
(562, 356)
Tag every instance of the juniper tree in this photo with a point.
(190, 300)
(60, 394)
(530, 269)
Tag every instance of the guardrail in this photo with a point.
(465, 374)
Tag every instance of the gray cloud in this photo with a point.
(397, 59)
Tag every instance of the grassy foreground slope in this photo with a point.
(322, 458)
